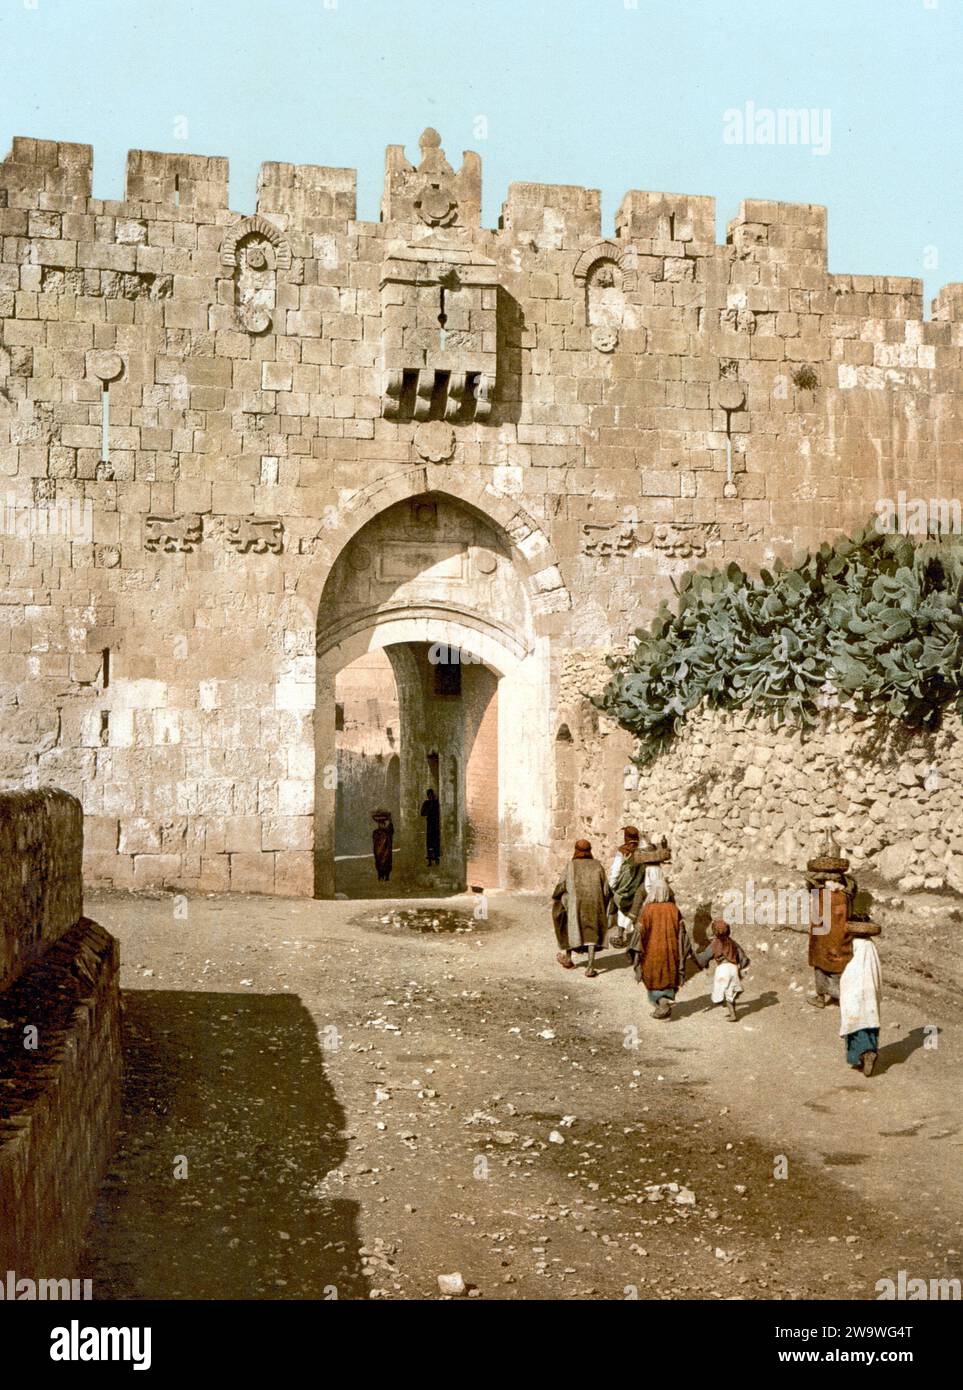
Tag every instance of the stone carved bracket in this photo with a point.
(173, 534)
(456, 398)
(439, 310)
(255, 534)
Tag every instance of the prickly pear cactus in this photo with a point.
(874, 622)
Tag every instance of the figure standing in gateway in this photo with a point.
(431, 810)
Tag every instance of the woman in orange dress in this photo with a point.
(661, 946)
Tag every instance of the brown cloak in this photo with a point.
(382, 838)
(590, 916)
(663, 945)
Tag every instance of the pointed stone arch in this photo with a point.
(503, 629)
(535, 555)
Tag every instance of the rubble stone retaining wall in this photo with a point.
(736, 795)
(733, 792)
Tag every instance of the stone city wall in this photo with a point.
(617, 405)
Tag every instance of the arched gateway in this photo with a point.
(455, 591)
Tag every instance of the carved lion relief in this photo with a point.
(608, 538)
(173, 534)
(255, 534)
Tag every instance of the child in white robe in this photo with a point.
(730, 961)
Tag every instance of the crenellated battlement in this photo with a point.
(41, 172)
(670, 233)
(38, 169)
(186, 180)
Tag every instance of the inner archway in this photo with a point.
(367, 740)
(430, 592)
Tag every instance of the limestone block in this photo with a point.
(555, 215)
(276, 376)
(294, 874)
(139, 836)
(38, 167)
(215, 874)
(195, 181)
(287, 833)
(157, 870)
(660, 218)
(252, 873)
(302, 192)
(295, 797)
(242, 833)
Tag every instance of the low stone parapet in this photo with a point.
(60, 1059)
(41, 886)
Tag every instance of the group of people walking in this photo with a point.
(632, 907)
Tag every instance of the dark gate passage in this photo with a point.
(409, 724)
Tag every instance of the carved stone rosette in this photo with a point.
(104, 365)
(435, 441)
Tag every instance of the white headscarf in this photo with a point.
(657, 889)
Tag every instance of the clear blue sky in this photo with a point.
(613, 94)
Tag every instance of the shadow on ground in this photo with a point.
(900, 1051)
(357, 878)
(231, 1092)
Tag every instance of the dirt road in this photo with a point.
(322, 1102)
